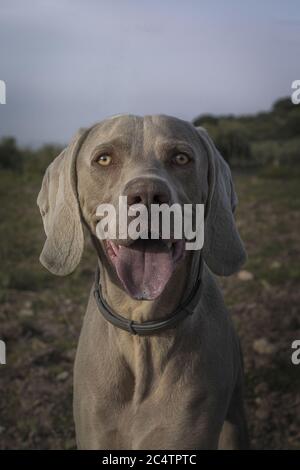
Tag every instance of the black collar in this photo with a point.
(150, 327)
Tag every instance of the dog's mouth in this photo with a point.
(145, 266)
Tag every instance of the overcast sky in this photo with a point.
(70, 63)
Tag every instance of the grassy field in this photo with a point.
(40, 316)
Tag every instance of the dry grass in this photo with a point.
(40, 317)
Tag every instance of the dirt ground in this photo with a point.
(41, 316)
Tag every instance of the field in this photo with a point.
(41, 316)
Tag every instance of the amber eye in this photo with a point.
(181, 159)
(104, 160)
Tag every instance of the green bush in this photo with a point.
(37, 161)
(229, 138)
(277, 152)
(234, 146)
(11, 157)
(264, 138)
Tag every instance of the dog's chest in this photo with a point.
(148, 395)
(155, 404)
(160, 413)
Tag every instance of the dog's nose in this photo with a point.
(147, 191)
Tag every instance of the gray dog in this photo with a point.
(158, 364)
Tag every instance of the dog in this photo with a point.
(158, 364)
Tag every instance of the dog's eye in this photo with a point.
(181, 159)
(104, 160)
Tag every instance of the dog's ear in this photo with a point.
(223, 249)
(59, 207)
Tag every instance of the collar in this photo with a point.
(185, 309)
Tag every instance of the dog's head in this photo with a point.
(150, 160)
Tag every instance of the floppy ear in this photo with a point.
(223, 249)
(60, 212)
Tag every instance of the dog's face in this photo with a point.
(150, 160)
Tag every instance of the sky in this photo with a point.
(70, 63)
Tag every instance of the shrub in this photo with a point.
(277, 152)
(38, 160)
(233, 146)
(11, 157)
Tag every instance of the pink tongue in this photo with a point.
(144, 268)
